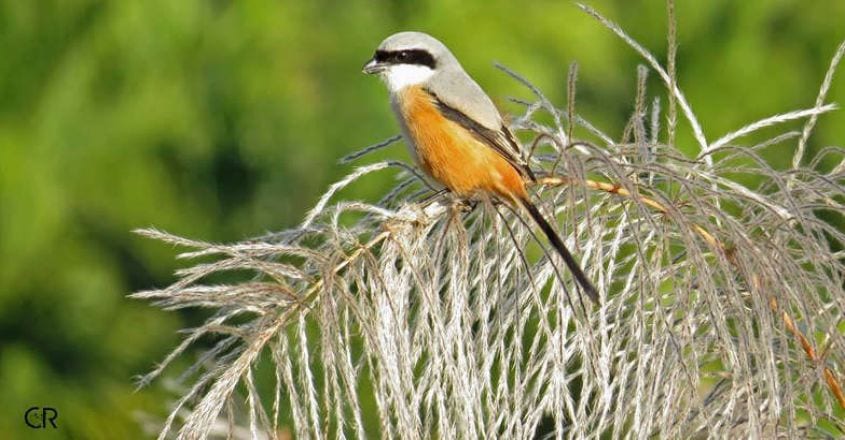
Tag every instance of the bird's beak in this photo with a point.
(372, 67)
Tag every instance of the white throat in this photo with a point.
(400, 76)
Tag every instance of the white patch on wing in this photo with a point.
(400, 76)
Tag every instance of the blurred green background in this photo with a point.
(220, 120)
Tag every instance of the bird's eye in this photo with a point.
(402, 56)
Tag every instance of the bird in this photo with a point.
(455, 133)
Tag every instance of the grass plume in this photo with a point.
(721, 315)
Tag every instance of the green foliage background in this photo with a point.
(222, 119)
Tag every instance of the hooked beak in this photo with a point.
(373, 66)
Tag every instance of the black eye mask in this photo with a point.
(418, 57)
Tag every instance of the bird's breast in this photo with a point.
(451, 154)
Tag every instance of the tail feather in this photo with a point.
(555, 240)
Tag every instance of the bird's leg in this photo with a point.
(468, 204)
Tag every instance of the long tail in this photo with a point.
(555, 240)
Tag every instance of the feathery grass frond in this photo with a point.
(721, 312)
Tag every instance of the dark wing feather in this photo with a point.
(501, 140)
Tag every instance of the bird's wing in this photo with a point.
(500, 138)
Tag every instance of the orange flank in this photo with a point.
(452, 155)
